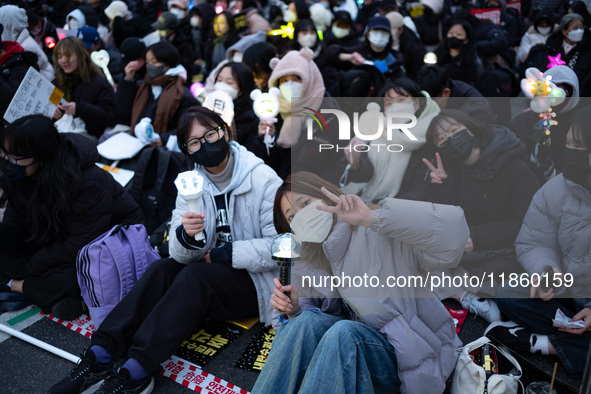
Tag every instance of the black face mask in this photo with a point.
(211, 155)
(154, 71)
(576, 166)
(454, 43)
(14, 172)
(458, 147)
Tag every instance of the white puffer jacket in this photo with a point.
(250, 214)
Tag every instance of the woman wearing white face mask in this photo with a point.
(342, 31)
(307, 37)
(236, 80)
(302, 91)
(390, 170)
(321, 327)
(572, 41)
(537, 34)
(377, 49)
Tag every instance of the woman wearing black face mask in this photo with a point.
(480, 168)
(162, 96)
(555, 238)
(228, 275)
(457, 53)
(58, 201)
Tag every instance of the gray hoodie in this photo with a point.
(250, 214)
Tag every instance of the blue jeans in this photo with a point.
(535, 315)
(320, 353)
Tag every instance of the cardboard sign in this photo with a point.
(35, 95)
(492, 14)
(257, 351)
(207, 341)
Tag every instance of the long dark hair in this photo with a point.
(580, 128)
(468, 52)
(243, 77)
(48, 198)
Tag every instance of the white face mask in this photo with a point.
(290, 89)
(307, 40)
(576, 35)
(289, 16)
(407, 108)
(180, 14)
(312, 225)
(195, 21)
(224, 87)
(379, 38)
(74, 25)
(339, 32)
(544, 30)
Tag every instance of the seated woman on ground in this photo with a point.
(88, 94)
(554, 241)
(58, 201)
(480, 168)
(322, 346)
(161, 97)
(226, 275)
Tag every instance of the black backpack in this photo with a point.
(497, 81)
(153, 184)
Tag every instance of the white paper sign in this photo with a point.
(120, 147)
(122, 176)
(35, 95)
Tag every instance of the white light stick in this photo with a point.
(190, 187)
(101, 58)
(266, 107)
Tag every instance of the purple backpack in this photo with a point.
(108, 267)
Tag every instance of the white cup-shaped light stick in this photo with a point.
(190, 187)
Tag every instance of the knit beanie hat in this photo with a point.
(435, 5)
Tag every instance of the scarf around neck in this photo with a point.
(168, 101)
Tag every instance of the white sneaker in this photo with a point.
(483, 307)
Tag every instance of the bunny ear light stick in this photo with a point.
(190, 187)
(266, 107)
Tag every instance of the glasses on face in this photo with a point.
(442, 138)
(211, 136)
(12, 159)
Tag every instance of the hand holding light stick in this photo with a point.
(190, 187)
(285, 249)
